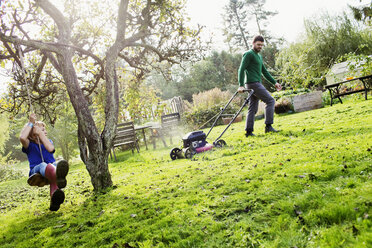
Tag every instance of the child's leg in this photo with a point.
(37, 176)
(57, 196)
(50, 173)
(40, 168)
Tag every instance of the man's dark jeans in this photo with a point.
(260, 93)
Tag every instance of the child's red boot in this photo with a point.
(57, 196)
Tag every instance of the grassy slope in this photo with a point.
(308, 186)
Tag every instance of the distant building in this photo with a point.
(341, 72)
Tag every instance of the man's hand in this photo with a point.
(278, 86)
(32, 118)
(241, 89)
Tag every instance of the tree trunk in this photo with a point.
(240, 27)
(96, 156)
(94, 147)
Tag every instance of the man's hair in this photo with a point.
(258, 38)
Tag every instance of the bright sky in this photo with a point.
(288, 23)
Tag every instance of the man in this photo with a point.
(252, 67)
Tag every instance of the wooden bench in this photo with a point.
(125, 135)
(170, 125)
(335, 89)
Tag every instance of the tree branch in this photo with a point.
(6, 56)
(155, 50)
(128, 42)
(129, 61)
(97, 79)
(53, 60)
(57, 16)
(40, 69)
(80, 50)
(12, 53)
(122, 20)
(30, 43)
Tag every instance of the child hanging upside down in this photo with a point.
(43, 167)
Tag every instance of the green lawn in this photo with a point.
(307, 186)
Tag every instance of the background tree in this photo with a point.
(243, 16)
(4, 137)
(140, 101)
(73, 51)
(362, 13)
(327, 38)
(63, 133)
(220, 69)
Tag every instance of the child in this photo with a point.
(43, 167)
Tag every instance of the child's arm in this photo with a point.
(26, 131)
(44, 139)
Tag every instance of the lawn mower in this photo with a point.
(195, 142)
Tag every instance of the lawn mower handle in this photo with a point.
(224, 108)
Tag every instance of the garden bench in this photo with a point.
(125, 135)
(335, 89)
(170, 125)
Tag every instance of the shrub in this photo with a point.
(208, 104)
(326, 98)
(198, 117)
(9, 173)
(210, 98)
(290, 93)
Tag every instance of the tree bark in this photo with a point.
(240, 26)
(96, 159)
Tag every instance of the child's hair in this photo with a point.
(31, 136)
(38, 123)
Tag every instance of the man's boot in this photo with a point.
(249, 133)
(270, 129)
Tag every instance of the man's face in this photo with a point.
(258, 45)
